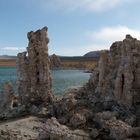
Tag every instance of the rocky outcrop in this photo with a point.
(34, 91)
(34, 84)
(8, 101)
(20, 129)
(117, 75)
(34, 80)
(7, 96)
(108, 105)
(55, 61)
(117, 128)
(55, 131)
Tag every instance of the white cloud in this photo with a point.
(101, 5)
(87, 5)
(111, 34)
(100, 40)
(13, 49)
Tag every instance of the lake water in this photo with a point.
(62, 79)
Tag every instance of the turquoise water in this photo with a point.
(62, 79)
(7, 74)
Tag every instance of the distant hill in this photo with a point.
(94, 54)
(7, 57)
(77, 58)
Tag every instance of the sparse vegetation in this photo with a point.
(7, 62)
(88, 64)
(66, 63)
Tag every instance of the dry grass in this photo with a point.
(91, 64)
(87, 64)
(7, 62)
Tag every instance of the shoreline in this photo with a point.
(62, 68)
(65, 64)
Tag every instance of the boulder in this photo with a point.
(77, 120)
(117, 128)
(55, 131)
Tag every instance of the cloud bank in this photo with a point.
(104, 37)
(111, 34)
(101, 39)
(86, 5)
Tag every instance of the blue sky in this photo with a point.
(75, 26)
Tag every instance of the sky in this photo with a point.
(75, 26)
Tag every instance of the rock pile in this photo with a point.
(55, 131)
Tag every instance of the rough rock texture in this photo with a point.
(55, 61)
(34, 80)
(118, 73)
(7, 96)
(8, 101)
(118, 129)
(34, 84)
(55, 131)
(20, 129)
(117, 76)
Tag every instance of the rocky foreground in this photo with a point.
(106, 108)
(21, 129)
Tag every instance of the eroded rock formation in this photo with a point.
(8, 102)
(6, 98)
(34, 80)
(55, 61)
(55, 131)
(108, 105)
(117, 76)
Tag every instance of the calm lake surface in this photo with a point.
(62, 79)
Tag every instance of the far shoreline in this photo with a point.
(7, 62)
(86, 65)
